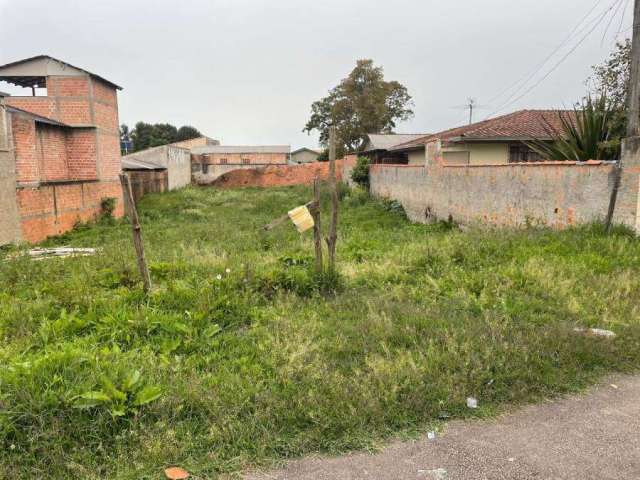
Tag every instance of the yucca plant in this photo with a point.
(584, 135)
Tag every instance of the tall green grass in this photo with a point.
(253, 358)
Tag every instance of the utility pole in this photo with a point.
(472, 102)
(633, 113)
(633, 109)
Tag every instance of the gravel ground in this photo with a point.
(591, 436)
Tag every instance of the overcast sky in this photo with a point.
(247, 71)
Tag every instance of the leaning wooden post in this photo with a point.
(317, 230)
(137, 231)
(333, 186)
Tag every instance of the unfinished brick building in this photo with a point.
(59, 153)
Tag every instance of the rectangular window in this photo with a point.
(246, 161)
(522, 154)
(205, 168)
(223, 161)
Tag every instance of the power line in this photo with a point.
(525, 78)
(611, 20)
(624, 11)
(560, 62)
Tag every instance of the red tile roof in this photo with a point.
(520, 125)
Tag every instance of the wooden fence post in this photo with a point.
(317, 231)
(137, 231)
(333, 227)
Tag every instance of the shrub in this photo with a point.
(107, 207)
(394, 206)
(360, 173)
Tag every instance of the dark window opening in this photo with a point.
(523, 154)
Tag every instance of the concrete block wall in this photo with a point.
(148, 181)
(557, 194)
(176, 160)
(9, 220)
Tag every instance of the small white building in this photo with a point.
(304, 155)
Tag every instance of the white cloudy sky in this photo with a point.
(247, 71)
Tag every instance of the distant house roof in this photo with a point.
(29, 72)
(241, 149)
(135, 164)
(37, 118)
(517, 126)
(305, 149)
(385, 141)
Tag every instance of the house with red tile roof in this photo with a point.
(498, 140)
(378, 145)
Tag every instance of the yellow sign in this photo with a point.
(301, 218)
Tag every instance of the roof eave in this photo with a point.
(465, 139)
(39, 57)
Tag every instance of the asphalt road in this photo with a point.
(595, 435)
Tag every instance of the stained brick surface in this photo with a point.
(63, 173)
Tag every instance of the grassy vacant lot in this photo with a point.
(240, 356)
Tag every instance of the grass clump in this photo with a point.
(242, 355)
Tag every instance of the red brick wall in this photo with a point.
(51, 150)
(237, 158)
(44, 106)
(24, 144)
(81, 154)
(85, 160)
(104, 93)
(54, 209)
(275, 176)
(71, 86)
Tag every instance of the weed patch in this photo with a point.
(243, 355)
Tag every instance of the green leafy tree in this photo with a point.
(585, 134)
(163, 133)
(187, 132)
(362, 103)
(125, 133)
(141, 136)
(146, 135)
(360, 172)
(611, 79)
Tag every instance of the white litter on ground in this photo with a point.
(472, 402)
(42, 253)
(596, 332)
(437, 474)
(431, 435)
